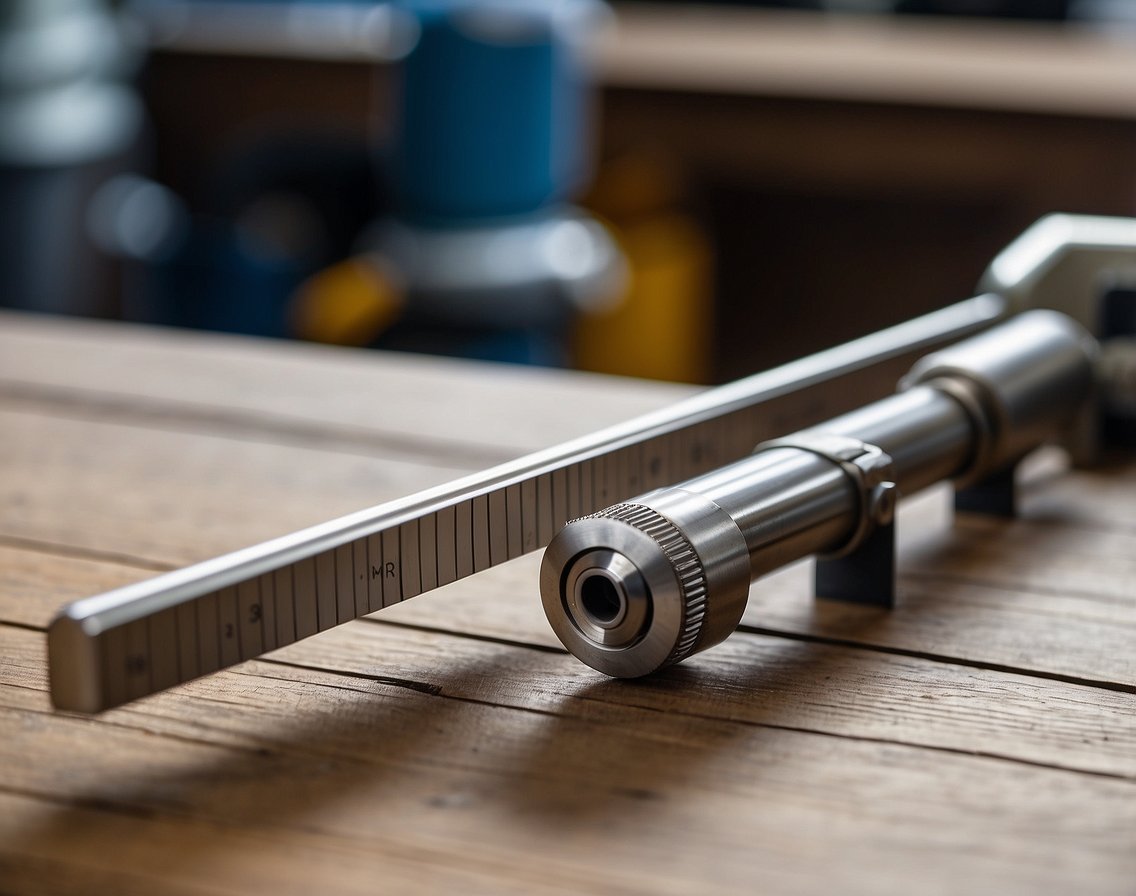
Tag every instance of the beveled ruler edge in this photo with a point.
(151, 635)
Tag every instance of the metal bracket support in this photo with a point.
(862, 570)
(993, 495)
(865, 576)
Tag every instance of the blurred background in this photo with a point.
(681, 190)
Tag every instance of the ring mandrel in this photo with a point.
(649, 582)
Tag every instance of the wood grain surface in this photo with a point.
(980, 738)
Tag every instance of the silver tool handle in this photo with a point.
(646, 583)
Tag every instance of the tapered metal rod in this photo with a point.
(648, 582)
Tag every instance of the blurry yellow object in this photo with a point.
(349, 303)
(662, 328)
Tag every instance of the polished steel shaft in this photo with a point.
(646, 583)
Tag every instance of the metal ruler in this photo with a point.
(146, 637)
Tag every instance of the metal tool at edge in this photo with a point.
(142, 638)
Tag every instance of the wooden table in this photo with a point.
(980, 738)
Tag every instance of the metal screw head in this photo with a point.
(883, 500)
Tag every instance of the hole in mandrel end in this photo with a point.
(601, 600)
(605, 598)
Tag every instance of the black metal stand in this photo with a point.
(996, 495)
(866, 576)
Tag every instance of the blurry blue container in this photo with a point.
(492, 116)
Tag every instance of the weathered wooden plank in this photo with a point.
(92, 847)
(1096, 563)
(369, 401)
(34, 583)
(1105, 500)
(557, 767)
(178, 497)
(753, 679)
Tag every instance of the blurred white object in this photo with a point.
(64, 96)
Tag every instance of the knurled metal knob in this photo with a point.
(632, 588)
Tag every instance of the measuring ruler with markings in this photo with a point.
(106, 650)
